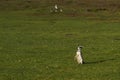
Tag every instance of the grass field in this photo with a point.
(36, 45)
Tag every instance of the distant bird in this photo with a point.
(56, 7)
(79, 56)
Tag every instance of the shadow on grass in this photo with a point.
(100, 61)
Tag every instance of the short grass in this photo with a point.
(43, 47)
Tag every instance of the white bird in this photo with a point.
(78, 55)
(56, 7)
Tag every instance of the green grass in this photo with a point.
(42, 47)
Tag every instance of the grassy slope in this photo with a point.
(97, 9)
(42, 47)
(70, 4)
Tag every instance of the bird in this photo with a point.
(79, 56)
(56, 7)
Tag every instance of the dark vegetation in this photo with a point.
(71, 8)
(88, 5)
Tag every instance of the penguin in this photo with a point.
(79, 56)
